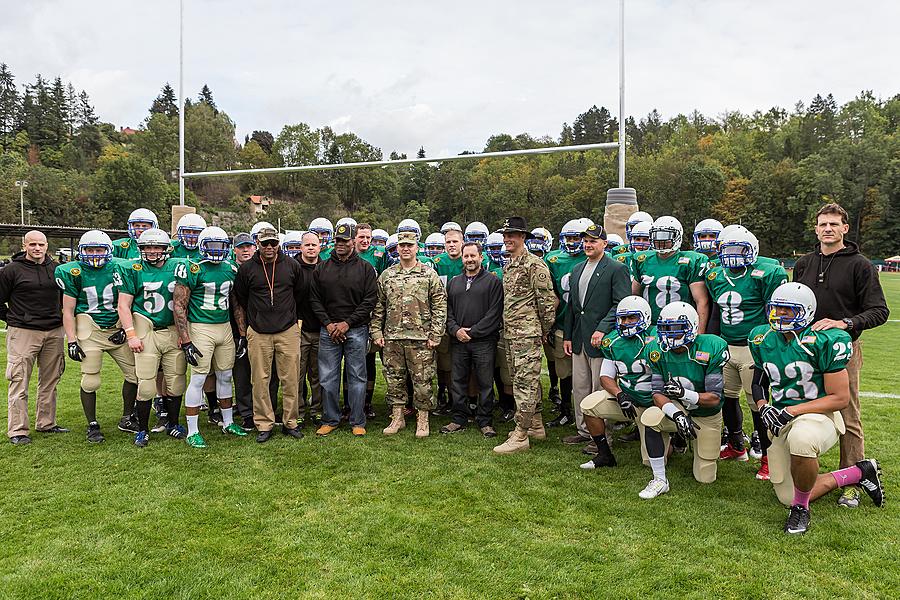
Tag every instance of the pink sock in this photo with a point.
(848, 476)
(802, 498)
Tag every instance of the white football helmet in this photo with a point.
(292, 243)
(346, 221)
(494, 247)
(188, 230)
(630, 306)
(639, 240)
(797, 297)
(451, 226)
(323, 228)
(666, 231)
(140, 220)
(613, 240)
(434, 244)
(707, 227)
(738, 247)
(477, 232)
(585, 222)
(214, 244)
(391, 250)
(154, 238)
(95, 239)
(677, 325)
(635, 218)
(379, 237)
(570, 237)
(410, 225)
(540, 242)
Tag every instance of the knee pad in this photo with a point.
(194, 396)
(704, 469)
(90, 382)
(146, 390)
(223, 384)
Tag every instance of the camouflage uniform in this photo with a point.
(529, 306)
(411, 310)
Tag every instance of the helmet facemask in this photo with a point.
(796, 320)
(736, 254)
(154, 253)
(189, 237)
(214, 249)
(94, 259)
(665, 240)
(630, 323)
(674, 333)
(138, 226)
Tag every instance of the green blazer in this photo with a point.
(609, 284)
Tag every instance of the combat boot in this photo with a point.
(422, 424)
(537, 431)
(397, 421)
(517, 442)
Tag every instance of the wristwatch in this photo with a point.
(849, 323)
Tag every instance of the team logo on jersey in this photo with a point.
(606, 342)
(757, 273)
(701, 356)
(621, 258)
(76, 272)
(711, 276)
(137, 266)
(436, 259)
(684, 260)
(641, 257)
(553, 259)
(654, 356)
(195, 268)
(758, 339)
(124, 244)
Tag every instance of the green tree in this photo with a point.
(124, 181)
(166, 103)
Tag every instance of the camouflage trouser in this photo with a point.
(415, 359)
(524, 357)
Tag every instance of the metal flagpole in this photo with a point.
(621, 93)
(181, 106)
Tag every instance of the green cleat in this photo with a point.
(234, 429)
(196, 441)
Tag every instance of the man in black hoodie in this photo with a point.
(31, 305)
(849, 297)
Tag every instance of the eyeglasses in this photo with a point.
(269, 243)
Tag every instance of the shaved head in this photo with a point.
(35, 246)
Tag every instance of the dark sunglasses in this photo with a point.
(269, 243)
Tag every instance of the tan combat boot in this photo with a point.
(397, 421)
(537, 431)
(517, 442)
(422, 424)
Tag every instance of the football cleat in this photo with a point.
(234, 429)
(161, 425)
(797, 521)
(678, 443)
(141, 439)
(871, 480)
(849, 497)
(196, 441)
(129, 424)
(215, 417)
(732, 453)
(94, 435)
(655, 488)
(176, 431)
(763, 473)
(159, 407)
(755, 446)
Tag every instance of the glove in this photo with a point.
(686, 426)
(75, 351)
(626, 404)
(240, 348)
(118, 337)
(191, 354)
(775, 418)
(673, 389)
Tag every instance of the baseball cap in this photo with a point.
(407, 237)
(595, 231)
(265, 234)
(344, 232)
(242, 238)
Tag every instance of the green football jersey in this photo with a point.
(619, 250)
(447, 268)
(495, 268)
(94, 290)
(667, 280)
(375, 257)
(561, 264)
(632, 369)
(126, 248)
(625, 259)
(705, 356)
(325, 253)
(180, 251)
(742, 297)
(796, 377)
(210, 284)
(151, 287)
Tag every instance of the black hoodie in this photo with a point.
(29, 296)
(846, 286)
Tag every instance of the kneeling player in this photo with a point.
(204, 330)
(809, 385)
(92, 325)
(625, 377)
(687, 391)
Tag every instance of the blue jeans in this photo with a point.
(353, 351)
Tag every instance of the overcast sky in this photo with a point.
(447, 75)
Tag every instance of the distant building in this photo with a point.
(127, 131)
(259, 204)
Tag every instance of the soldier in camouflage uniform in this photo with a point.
(409, 319)
(529, 306)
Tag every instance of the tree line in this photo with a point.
(769, 170)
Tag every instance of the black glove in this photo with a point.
(75, 351)
(118, 337)
(686, 426)
(240, 348)
(626, 404)
(191, 354)
(775, 418)
(673, 389)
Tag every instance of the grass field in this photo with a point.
(439, 518)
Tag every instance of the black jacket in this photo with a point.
(267, 314)
(849, 287)
(304, 309)
(344, 291)
(30, 291)
(480, 308)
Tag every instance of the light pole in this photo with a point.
(22, 185)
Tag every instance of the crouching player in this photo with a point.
(91, 322)
(809, 384)
(625, 377)
(202, 317)
(687, 387)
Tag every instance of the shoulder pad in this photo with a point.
(124, 243)
(137, 266)
(75, 272)
(654, 356)
(195, 268)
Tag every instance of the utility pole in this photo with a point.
(22, 185)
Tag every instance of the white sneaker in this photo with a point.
(654, 489)
(588, 465)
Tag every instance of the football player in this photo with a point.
(477, 232)
(187, 235)
(616, 244)
(741, 285)
(635, 218)
(292, 243)
(706, 237)
(91, 322)
(806, 369)
(451, 226)
(687, 384)
(391, 252)
(379, 238)
(325, 230)
(540, 243)
(625, 377)
(494, 249)
(145, 312)
(434, 244)
(366, 248)
(202, 318)
(139, 221)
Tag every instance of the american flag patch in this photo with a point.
(684, 260)
(808, 339)
(701, 356)
(757, 273)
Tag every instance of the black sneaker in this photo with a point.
(755, 446)
(159, 407)
(162, 423)
(554, 397)
(215, 417)
(871, 480)
(20, 440)
(248, 424)
(798, 521)
(370, 412)
(633, 435)
(508, 415)
(724, 441)
(94, 435)
(561, 421)
(129, 424)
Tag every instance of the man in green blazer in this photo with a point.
(595, 288)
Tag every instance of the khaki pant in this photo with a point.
(285, 348)
(24, 347)
(309, 369)
(215, 342)
(852, 443)
(705, 447)
(585, 380)
(738, 374)
(810, 436)
(603, 406)
(94, 341)
(563, 362)
(161, 349)
(413, 359)
(444, 361)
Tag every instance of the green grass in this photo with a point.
(438, 518)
